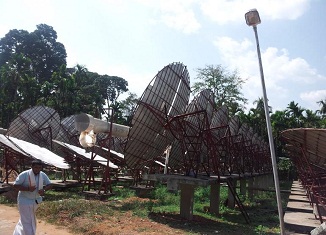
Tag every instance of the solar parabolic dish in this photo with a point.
(37, 125)
(166, 96)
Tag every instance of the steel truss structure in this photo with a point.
(166, 96)
(168, 132)
(201, 138)
(307, 149)
(41, 126)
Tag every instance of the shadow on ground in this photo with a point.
(201, 225)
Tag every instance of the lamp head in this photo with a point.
(252, 17)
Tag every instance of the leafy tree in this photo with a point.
(27, 62)
(14, 43)
(258, 121)
(280, 121)
(292, 117)
(33, 72)
(225, 86)
(109, 88)
(41, 47)
(128, 107)
(76, 90)
(18, 88)
(296, 114)
(322, 110)
(87, 99)
(48, 54)
(311, 119)
(323, 123)
(62, 93)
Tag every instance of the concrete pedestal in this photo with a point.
(231, 198)
(214, 206)
(243, 187)
(187, 200)
(188, 184)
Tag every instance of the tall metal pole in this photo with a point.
(270, 138)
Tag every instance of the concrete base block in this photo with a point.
(321, 230)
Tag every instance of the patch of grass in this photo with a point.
(202, 194)
(121, 192)
(86, 216)
(72, 193)
(164, 197)
(73, 208)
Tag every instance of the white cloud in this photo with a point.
(225, 11)
(184, 21)
(282, 73)
(176, 14)
(284, 9)
(281, 67)
(312, 97)
(238, 56)
(180, 14)
(114, 29)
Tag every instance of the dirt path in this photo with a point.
(9, 216)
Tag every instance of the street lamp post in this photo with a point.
(253, 19)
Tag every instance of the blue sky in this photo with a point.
(134, 39)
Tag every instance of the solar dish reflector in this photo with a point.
(37, 125)
(166, 96)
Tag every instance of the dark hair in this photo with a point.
(37, 162)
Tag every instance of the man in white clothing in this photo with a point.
(32, 185)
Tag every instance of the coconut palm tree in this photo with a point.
(296, 113)
(311, 119)
(322, 110)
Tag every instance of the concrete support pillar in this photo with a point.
(255, 185)
(214, 206)
(231, 199)
(266, 182)
(271, 180)
(250, 186)
(187, 200)
(262, 184)
(243, 187)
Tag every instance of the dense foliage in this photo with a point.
(33, 72)
(225, 86)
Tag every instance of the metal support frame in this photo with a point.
(190, 135)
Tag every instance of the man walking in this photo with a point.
(32, 185)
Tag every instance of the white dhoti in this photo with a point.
(27, 221)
